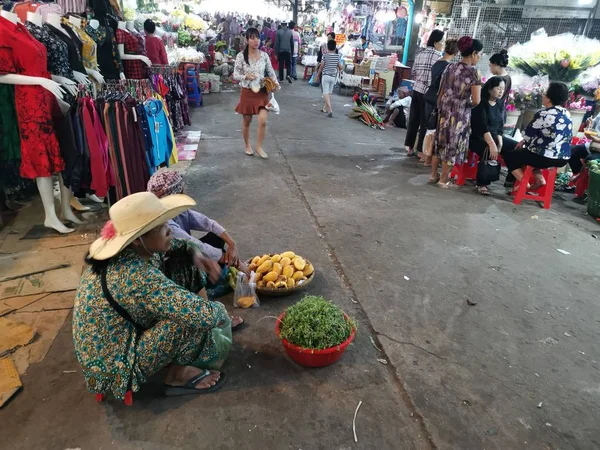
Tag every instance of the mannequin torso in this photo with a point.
(133, 62)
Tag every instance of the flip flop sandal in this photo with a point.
(447, 185)
(249, 154)
(483, 191)
(189, 388)
(434, 180)
(239, 326)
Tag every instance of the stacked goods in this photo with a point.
(281, 271)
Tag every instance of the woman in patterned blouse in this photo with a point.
(137, 309)
(546, 140)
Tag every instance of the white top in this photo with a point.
(257, 68)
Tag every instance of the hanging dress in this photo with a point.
(109, 60)
(21, 53)
(134, 69)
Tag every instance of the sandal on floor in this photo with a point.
(434, 180)
(249, 154)
(240, 326)
(448, 185)
(483, 190)
(190, 387)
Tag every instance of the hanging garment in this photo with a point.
(49, 8)
(160, 131)
(68, 149)
(134, 69)
(107, 51)
(75, 60)
(98, 146)
(21, 53)
(22, 8)
(57, 51)
(74, 6)
(88, 45)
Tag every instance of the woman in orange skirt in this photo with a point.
(251, 66)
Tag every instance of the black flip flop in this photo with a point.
(240, 325)
(189, 388)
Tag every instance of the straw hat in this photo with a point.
(132, 217)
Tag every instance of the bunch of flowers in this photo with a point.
(510, 101)
(528, 91)
(562, 57)
(588, 82)
(577, 103)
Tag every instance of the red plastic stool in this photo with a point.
(308, 72)
(543, 194)
(467, 170)
(128, 400)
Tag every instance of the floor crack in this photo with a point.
(414, 345)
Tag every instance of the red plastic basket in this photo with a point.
(310, 357)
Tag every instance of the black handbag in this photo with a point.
(432, 119)
(488, 170)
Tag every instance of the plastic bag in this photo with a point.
(314, 81)
(273, 106)
(245, 291)
(428, 142)
(223, 340)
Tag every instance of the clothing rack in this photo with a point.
(160, 69)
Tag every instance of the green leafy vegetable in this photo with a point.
(315, 323)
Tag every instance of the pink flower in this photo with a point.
(108, 231)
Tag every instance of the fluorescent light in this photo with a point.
(349, 8)
(419, 18)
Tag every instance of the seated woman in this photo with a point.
(547, 138)
(395, 106)
(223, 62)
(487, 127)
(588, 151)
(137, 312)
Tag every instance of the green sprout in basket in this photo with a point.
(315, 323)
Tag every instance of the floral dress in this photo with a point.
(549, 133)
(159, 295)
(22, 54)
(454, 112)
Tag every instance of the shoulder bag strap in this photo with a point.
(118, 308)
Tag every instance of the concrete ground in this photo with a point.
(519, 369)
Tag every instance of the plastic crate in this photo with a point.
(593, 201)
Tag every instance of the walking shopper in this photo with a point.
(251, 66)
(460, 90)
(328, 71)
(296, 49)
(421, 74)
(284, 45)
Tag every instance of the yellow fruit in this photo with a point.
(277, 268)
(263, 258)
(282, 278)
(265, 267)
(299, 263)
(285, 262)
(255, 260)
(297, 275)
(271, 276)
(252, 267)
(258, 277)
(288, 271)
(288, 255)
(260, 284)
(271, 285)
(245, 302)
(308, 270)
(291, 283)
(276, 258)
(280, 284)
(302, 280)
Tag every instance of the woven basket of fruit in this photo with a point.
(281, 274)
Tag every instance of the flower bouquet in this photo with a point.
(562, 57)
(528, 91)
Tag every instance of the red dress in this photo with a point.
(133, 68)
(22, 54)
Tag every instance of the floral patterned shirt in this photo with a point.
(105, 344)
(257, 68)
(57, 51)
(549, 133)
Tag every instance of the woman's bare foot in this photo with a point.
(249, 151)
(539, 182)
(180, 375)
(260, 152)
(235, 321)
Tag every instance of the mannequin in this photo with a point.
(76, 22)
(129, 26)
(54, 20)
(44, 184)
(67, 85)
(128, 57)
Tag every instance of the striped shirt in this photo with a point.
(331, 62)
